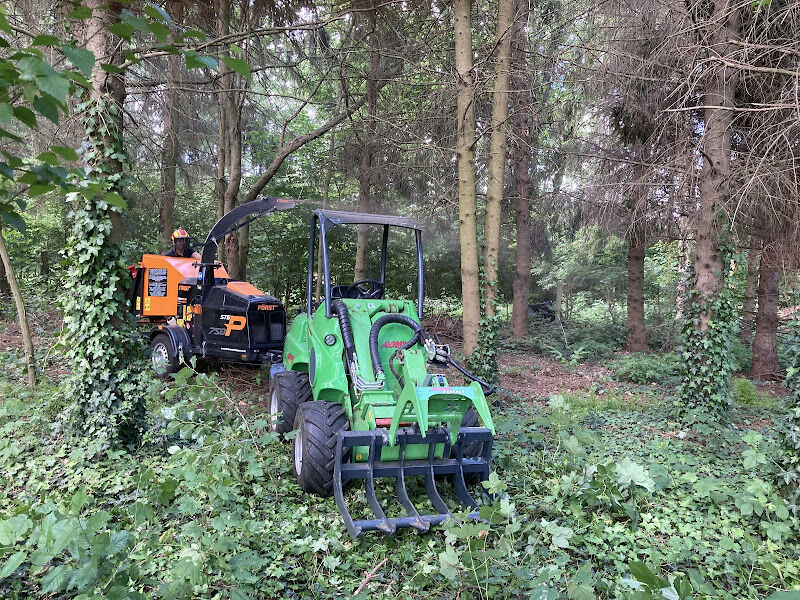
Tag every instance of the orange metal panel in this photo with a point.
(162, 274)
(244, 288)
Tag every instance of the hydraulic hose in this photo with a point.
(419, 335)
(488, 388)
(376, 328)
(339, 308)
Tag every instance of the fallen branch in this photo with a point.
(369, 576)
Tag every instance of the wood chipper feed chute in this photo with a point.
(364, 389)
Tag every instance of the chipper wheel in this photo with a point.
(288, 390)
(163, 356)
(318, 424)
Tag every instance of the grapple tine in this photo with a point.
(338, 490)
(402, 493)
(430, 485)
(369, 488)
(459, 484)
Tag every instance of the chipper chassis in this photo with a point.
(359, 393)
(194, 308)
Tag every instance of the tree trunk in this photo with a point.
(325, 204)
(748, 308)
(497, 151)
(22, 317)
(765, 343)
(107, 86)
(465, 151)
(244, 249)
(233, 140)
(716, 150)
(367, 148)
(5, 288)
(169, 153)
(521, 169)
(636, 338)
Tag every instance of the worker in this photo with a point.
(180, 245)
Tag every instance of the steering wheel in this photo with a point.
(374, 290)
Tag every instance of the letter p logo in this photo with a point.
(235, 323)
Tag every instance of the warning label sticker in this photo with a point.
(157, 282)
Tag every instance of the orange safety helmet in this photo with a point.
(179, 233)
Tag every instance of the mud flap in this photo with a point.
(401, 469)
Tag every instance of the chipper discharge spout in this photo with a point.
(364, 389)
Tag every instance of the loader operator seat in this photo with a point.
(370, 289)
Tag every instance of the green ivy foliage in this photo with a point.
(105, 389)
(789, 428)
(707, 359)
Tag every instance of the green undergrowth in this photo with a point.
(592, 503)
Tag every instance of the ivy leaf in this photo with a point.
(12, 564)
(82, 58)
(238, 65)
(6, 112)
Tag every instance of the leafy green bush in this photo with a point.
(745, 392)
(644, 368)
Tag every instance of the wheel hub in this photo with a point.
(160, 358)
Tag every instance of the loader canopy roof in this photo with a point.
(329, 218)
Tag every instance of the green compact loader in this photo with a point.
(362, 387)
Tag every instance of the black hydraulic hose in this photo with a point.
(419, 334)
(376, 328)
(488, 388)
(339, 308)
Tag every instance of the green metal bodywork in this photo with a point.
(426, 400)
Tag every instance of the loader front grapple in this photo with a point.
(400, 469)
(381, 409)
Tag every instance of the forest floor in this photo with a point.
(607, 495)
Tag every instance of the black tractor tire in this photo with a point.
(317, 424)
(163, 356)
(287, 391)
(470, 450)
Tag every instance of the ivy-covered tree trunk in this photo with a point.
(708, 332)
(765, 343)
(465, 152)
(105, 387)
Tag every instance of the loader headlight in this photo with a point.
(330, 339)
